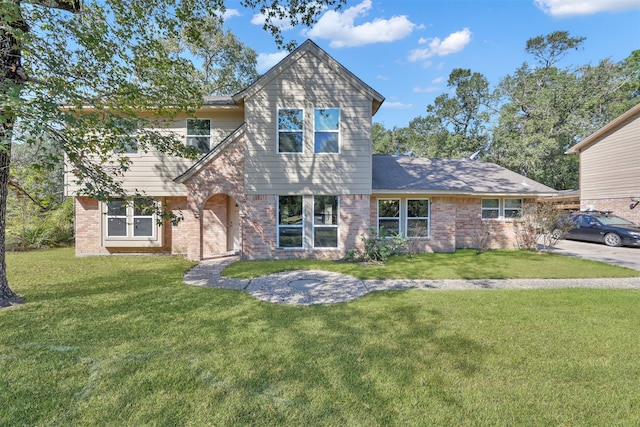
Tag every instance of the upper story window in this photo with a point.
(199, 134)
(501, 208)
(417, 218)
(388, 217)
(127, 138)
(290, 130)
(326, 123)
(290, 224)
(131, 219)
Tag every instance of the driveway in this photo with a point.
(623, 256)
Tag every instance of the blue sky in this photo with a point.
(405, 49)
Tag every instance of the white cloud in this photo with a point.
(283, 24)
(268, 60)
(428, 89)
(381, 77)
(340, 27)
(230, 13)
(438, 80)
(564, 8)
(453, 43)
(396, 106)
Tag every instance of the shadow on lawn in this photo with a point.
(366, 350)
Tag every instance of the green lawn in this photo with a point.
(122, 341)
(463, 264)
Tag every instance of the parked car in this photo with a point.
(602, 227)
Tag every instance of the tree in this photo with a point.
(547, 109)
(225, 65)
(105, 62)
(459, 123)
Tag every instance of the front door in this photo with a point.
(233, 226)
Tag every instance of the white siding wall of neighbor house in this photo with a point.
(611, 167)
(154, 172)
(308, 84)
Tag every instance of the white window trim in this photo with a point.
(407, 218)
(339, 131)
(399, 217)
(302, 131)
(301, 226)
(501, 208)
(336, 226)
(187, 136)
(130, 240)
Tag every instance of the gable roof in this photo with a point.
(406, 174)
(610, 127)
(211, 155)
(305, 48)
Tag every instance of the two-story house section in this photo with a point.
(287, 171)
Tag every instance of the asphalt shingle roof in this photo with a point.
(463, 176)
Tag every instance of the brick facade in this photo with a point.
(620, 207)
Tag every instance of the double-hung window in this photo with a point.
(290, 130)
(290, 224)
(490, 208)
(388, 217)
(131, 219)
(512, 208)
(417, 218)
(127, 137)
(325, 221)
(501, 208)
(199, 134)
(326, 123)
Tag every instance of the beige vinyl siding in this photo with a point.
(610, 168)
(153, 172)
(308, 84)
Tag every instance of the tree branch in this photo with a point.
(68, 5)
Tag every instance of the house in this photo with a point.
(610, 167)
(287, 171)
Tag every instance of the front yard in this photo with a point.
(122, 341)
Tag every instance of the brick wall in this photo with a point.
(207, 191)
(88, 222)
(259, 228)
(619, 207)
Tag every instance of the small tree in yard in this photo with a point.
(540, 227)
(105, 61)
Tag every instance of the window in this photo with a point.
(117, 218)
(290, 224)
(127, 137)
(290, 130)
(326, 122)
(512, 208)
(199, 134)
(490, 208)
(501, 208)
(388, 217)
(417, 218)
(325, 221)
(134, 219)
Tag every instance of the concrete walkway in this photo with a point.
(322, 287)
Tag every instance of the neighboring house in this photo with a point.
(610, 167)
(288, 171)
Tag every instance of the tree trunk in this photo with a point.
(7, 296)
(12, 75)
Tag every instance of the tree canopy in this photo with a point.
(527, 121)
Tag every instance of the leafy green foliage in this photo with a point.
(528, 121)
